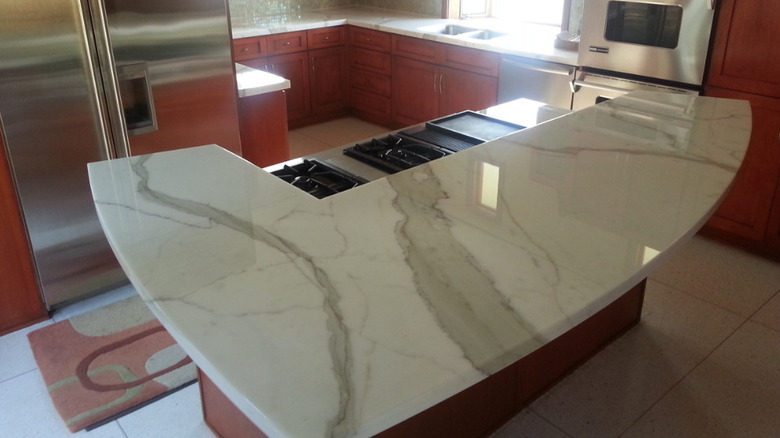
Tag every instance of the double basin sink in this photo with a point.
(462, 31)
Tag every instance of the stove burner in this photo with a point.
(317, 179)
(412, 155)
(394, 153)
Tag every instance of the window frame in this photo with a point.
(451, 9)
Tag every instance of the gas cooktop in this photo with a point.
(318, 179)
(394, 152)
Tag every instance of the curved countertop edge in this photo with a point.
(252, 82)
(714, 141)
(528, 41)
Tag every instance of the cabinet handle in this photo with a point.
(441, 83)
(327, 38)
(245, 49)
(287, 43)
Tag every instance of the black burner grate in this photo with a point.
(317, 179)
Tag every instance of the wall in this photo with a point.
(425, 7)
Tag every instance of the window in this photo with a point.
(532, 11)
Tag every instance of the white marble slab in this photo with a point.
(252, 82)
(527, 40)
(344, 316)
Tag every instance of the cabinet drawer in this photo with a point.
(326, 37)
(371, 103)
(248, 48)
(369, 39)
(289, 42)
(370, 60)
(372, 82)
(473, 60)
(416, 48)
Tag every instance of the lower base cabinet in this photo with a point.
(263, 126)
(750, 214)
(481, 409)
(424, 91)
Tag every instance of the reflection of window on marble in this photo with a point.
(648, 254)
(488, 178)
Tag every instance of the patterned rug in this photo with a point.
(108, 362)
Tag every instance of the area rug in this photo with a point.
(108, 362)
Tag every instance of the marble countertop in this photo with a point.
(526, 40)
(344, 316)
(251, 81)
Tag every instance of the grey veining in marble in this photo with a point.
(343, 316)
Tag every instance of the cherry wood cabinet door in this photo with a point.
(415, 91)
(773, 227)
(461, 90)
(745, 211)
(294, 67)
(20, 300)
(329, 79)
(744, 51)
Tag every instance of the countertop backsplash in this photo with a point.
(244, 11)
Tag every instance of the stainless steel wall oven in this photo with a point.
(641, 43)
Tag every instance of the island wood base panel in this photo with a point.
(484, 407)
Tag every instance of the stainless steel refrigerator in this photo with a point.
(90, 80)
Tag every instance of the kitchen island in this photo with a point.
(346, 316)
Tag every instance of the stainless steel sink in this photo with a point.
(484, 34)
(456, 29)
(469, 32)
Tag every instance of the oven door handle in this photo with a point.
(577, 84)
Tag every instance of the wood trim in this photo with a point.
(263, 125)
(21, 303)
(479, 410)
(221, 415)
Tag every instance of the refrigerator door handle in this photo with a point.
(110, 82)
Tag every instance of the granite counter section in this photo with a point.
(344, 316)
(526, 40)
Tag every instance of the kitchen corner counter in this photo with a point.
(527, 40)
(344, 316)
(252, 82)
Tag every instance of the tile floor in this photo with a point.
(703, 362)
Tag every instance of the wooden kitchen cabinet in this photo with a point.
(295, 68)
(296, 56)
(370, 75)
(741, 67)
(329, 82)
(415, 91)
(744, 52)
(431, 80)
(20, 300)
(263, 126)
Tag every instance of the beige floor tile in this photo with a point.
(612, 390)
(302, 145)
(734, 393)
(722, 275)
(342, 131)
(769, 314)
(527, 424)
